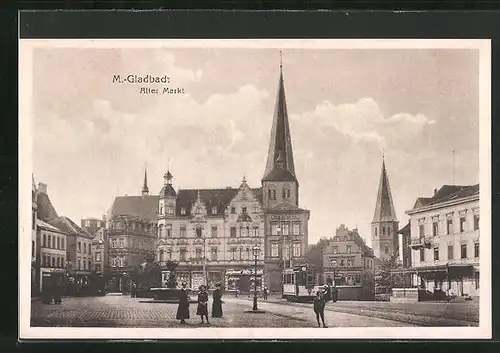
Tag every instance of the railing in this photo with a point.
(420, 242)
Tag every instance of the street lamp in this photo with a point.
(334, 266)
(256, 252)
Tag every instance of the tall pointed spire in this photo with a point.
(280, 140)
(145, 189)
(384, 208)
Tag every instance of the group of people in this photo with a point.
(322, 297)
(202, 309)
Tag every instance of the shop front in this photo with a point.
(243, 281)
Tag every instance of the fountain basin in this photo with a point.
(170, 295)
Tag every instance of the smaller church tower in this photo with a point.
(145, 189)
(384, 227)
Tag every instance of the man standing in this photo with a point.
(319, 307)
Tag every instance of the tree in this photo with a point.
(383, 275)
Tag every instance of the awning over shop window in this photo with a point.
(452, 268)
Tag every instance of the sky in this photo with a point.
(93, 138)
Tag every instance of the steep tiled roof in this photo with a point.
(448, 193)
(405, 229)
(384, 208)
(46, 210)
(279, 174)
(285, 207)
(143, 207)
(40, 223)
(367, 251)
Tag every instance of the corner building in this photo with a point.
(211, 232)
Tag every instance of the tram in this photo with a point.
(299, 283)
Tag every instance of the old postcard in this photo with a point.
(255, 189)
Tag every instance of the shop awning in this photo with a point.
(441, 268)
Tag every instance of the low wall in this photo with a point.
(406, 295)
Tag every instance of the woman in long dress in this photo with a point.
(183, 308)
(217, 303)
(202, 309)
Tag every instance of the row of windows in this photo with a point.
(85, 265)
(234, 254)
(53, 241)
(383, 231)
(146, 227)
(335, 249)
(118, 261)
(244, 231)
(449, 226)
(451, 253)
(345, 262)
(285, 228)
(170, 210)
(85, 247)
(275, 249)
(120, 243)
(285, 192)
(56, 261)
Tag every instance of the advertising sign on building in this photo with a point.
(197, 280)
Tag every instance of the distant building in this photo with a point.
(349, 263)
(91, 224)
(34, 264)
(445, 240)
(385, 225)
(406, 245)
(100, 252)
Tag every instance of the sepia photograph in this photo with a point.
(197, 189)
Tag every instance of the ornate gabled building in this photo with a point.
(209, 231)
(385, 225)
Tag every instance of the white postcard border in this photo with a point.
(26, 47)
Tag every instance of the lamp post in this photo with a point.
(256, 252)
(334, 267)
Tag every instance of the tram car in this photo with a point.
(299, 283)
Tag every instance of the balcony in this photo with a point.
(420, 243)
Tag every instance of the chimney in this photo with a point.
(435, 191)
(42, 188)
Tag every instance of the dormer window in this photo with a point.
(214, 210)
(183, 211)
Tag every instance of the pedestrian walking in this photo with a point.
(183, 308)
(202, 309)
(319, 307)
(217, 303)
(133, 290)
(265, 292)
(58, 291)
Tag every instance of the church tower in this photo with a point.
(279, 183)
(145, 189)
(384, 226)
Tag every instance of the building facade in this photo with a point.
(285, 223)
(131, 232)
(385, 225)
(445, 240)
(349, 263)
(210, 232)
(51, 253)
(100, 252)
